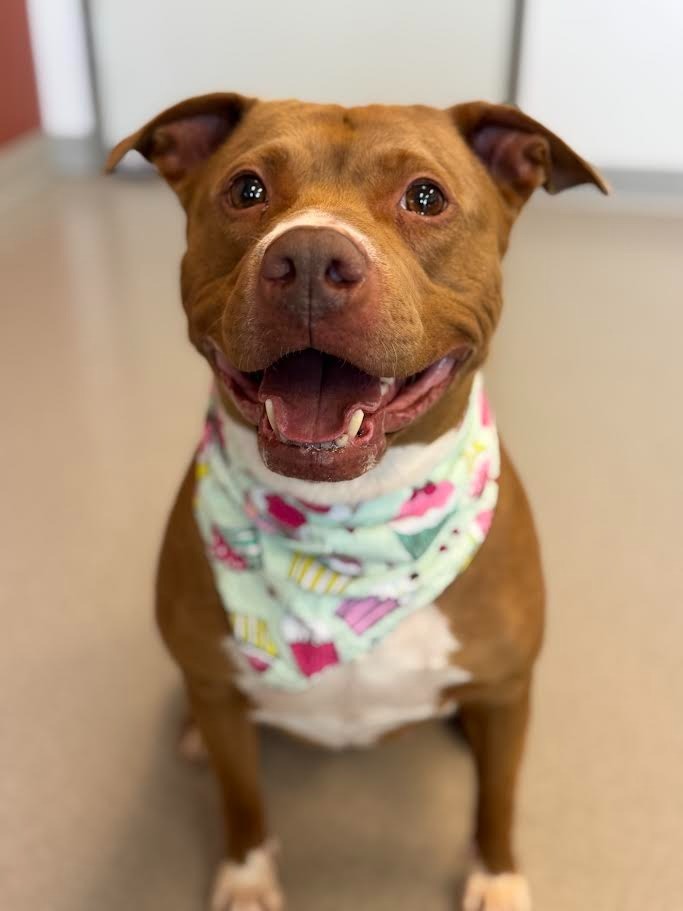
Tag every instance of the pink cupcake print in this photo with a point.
(311, 650)
(362, 613)
(485, 410)
(224, 553)
(338, 512)
(480, 478)
(272, 514)
(212, 432)
(424, 510)
(284, 513)
(484, 520)
(257, 662)
(423, 499)
(314, 507)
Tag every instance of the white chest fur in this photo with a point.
(355, 703)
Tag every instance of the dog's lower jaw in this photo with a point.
(249, 886)
(315, 464)
(496, 892)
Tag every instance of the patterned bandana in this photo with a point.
(308, 586)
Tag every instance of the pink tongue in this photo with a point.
(315, 394)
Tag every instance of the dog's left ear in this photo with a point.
(519, 153)
(181, 138)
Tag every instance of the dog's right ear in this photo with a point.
(183, 137)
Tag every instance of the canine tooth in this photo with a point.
(270, 412)
(342, 441)
(355, 422)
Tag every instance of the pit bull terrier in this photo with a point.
(351, 549)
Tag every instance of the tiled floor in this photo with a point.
(101, 400)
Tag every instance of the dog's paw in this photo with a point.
(496, 892)
(250, 886)
(191, 744)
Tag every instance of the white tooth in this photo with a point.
(355, 422)
(342, 441)
(270, 412)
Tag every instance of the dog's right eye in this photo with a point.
(247, 190)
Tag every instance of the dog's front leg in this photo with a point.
(247, 878)
(496, 732)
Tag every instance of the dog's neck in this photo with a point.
(317, 574)
(400, 467)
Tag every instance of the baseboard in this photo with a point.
(632, 192)
(24, 169)
(669, 183)
(75, 157)
(29, 164)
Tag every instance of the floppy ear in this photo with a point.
(520, 153)
(181, 138)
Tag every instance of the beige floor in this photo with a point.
(101, 400)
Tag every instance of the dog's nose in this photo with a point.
(312, 270)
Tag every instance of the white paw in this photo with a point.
(497, 892)
(250, 886)
(191, 744)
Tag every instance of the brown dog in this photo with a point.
(342, 277)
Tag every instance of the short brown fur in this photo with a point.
(439, 288)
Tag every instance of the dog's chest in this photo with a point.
(354, 703)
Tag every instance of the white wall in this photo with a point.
(153, 53)
(61, 64)
(608, 76)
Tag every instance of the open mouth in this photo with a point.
(321, 418)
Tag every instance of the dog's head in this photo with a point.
(342, 273)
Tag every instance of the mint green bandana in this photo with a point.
(307, 586)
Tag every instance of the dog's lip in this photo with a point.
(402, 400)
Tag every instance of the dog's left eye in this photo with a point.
(424, 197)
(247, 190)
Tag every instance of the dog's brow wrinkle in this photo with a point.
(340, 154)
(275, 156)
(400, 160)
